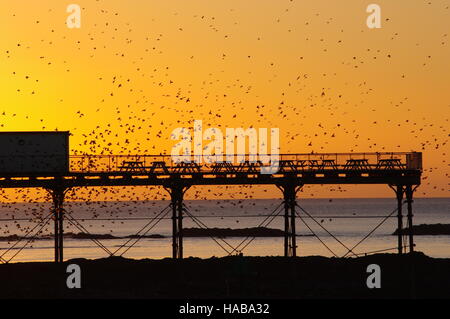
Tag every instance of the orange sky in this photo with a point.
(136, 70)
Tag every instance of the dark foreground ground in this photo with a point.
(408, 276)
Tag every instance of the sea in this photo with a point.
(324, 227)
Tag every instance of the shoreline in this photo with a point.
(427, 229)
(187, 232)
(418, 230)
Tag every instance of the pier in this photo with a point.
(400, 171)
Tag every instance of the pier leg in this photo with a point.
(293, 233)
(56, 230)
(58, 214)
(176, 196)
(409, 200)
(289, 194)
(180, 226)
(286, 227)
(399, 192)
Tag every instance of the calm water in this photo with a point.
(127, 218)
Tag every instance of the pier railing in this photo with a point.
(161, 164)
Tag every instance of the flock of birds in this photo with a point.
(312, 117)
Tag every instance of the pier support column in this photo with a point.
(409, 200)
(176, 197)
(289, 194)
(399, 193)
(58, 194)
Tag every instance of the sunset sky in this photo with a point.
(136, 70)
